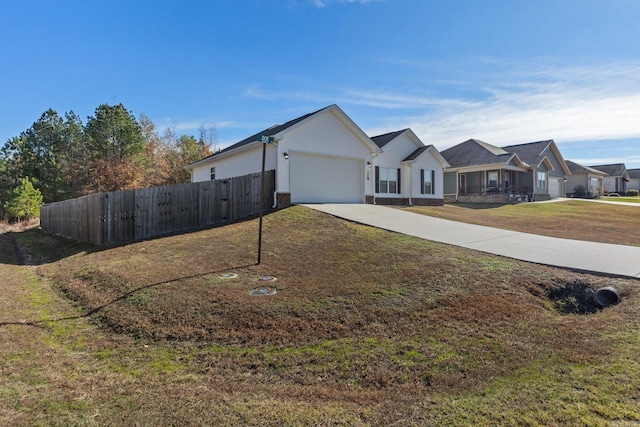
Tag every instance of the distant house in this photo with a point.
(481, 172)
(616, 179)
(634, 179)
(408, 172)
(584, 181)
(319, 157)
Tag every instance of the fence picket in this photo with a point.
(129, 215)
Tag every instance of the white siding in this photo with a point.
(394, 152)
(325, 135)
(229, 167)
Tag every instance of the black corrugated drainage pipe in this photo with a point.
(606, 296)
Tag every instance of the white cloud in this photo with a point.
(565, 104)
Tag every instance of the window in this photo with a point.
(492, 179)
(542, 180)
(213, 173)
(427, 178)
(387, 180)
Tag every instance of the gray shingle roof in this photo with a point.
(417, 153)
(616, 169)
(273, 130)
(475, 153)
(382, 140)
(531, 153)
(578, 168)
(634, 173)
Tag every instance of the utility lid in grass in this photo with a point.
(263, 292)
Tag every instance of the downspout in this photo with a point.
(275, 193)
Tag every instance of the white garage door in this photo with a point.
(323, 179)
(555, 187)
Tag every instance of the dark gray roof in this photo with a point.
(382, 140)
(532, 153)
(417, 153)
(475, 153)
(634, 173)
(616, 169)
(578, 168)
(273, 130)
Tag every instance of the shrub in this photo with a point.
(24, 201)
(579, 191)
(632, 193)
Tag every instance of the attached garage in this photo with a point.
(555, 187)
(317, 178)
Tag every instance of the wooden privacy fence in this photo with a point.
(124, 216)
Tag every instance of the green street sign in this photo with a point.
(265, 139)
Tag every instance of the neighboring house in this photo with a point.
(319, 157)
(584, 181)
(408, 172)
(546, 163)
(616, 179)
(481, 172)
(634, 179)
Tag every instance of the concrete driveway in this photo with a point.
(574, 254)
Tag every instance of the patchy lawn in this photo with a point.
(623, 199)
(366, 327)
(572, 219)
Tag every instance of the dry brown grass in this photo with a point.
(572, 219)
(368, 327)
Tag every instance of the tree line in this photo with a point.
(61, 157)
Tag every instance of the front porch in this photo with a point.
(492, 186)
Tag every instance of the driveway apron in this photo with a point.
(594, 257)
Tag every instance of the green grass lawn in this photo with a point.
(367, 327)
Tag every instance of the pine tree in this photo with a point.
(24, 201)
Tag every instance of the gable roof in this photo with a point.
(534, 153)
(616, 169)
(278, 129)
(431, 149)
(382, 140)
(634, 173)
(473, 152)
(416, 153)
(578, 168)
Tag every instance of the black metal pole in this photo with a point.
(264, 152)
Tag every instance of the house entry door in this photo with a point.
(462, 189)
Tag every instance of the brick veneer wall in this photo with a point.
(283, 200)
(416, 201)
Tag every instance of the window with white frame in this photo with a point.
(387, 180)
(542, 180)
(213, 173)
(492, 180)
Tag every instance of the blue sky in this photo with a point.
(504, 71)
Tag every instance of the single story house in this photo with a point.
(584, 181)
(319, 157)
(481, 172)
(616, 179)
(634, 179)
(408, 172)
